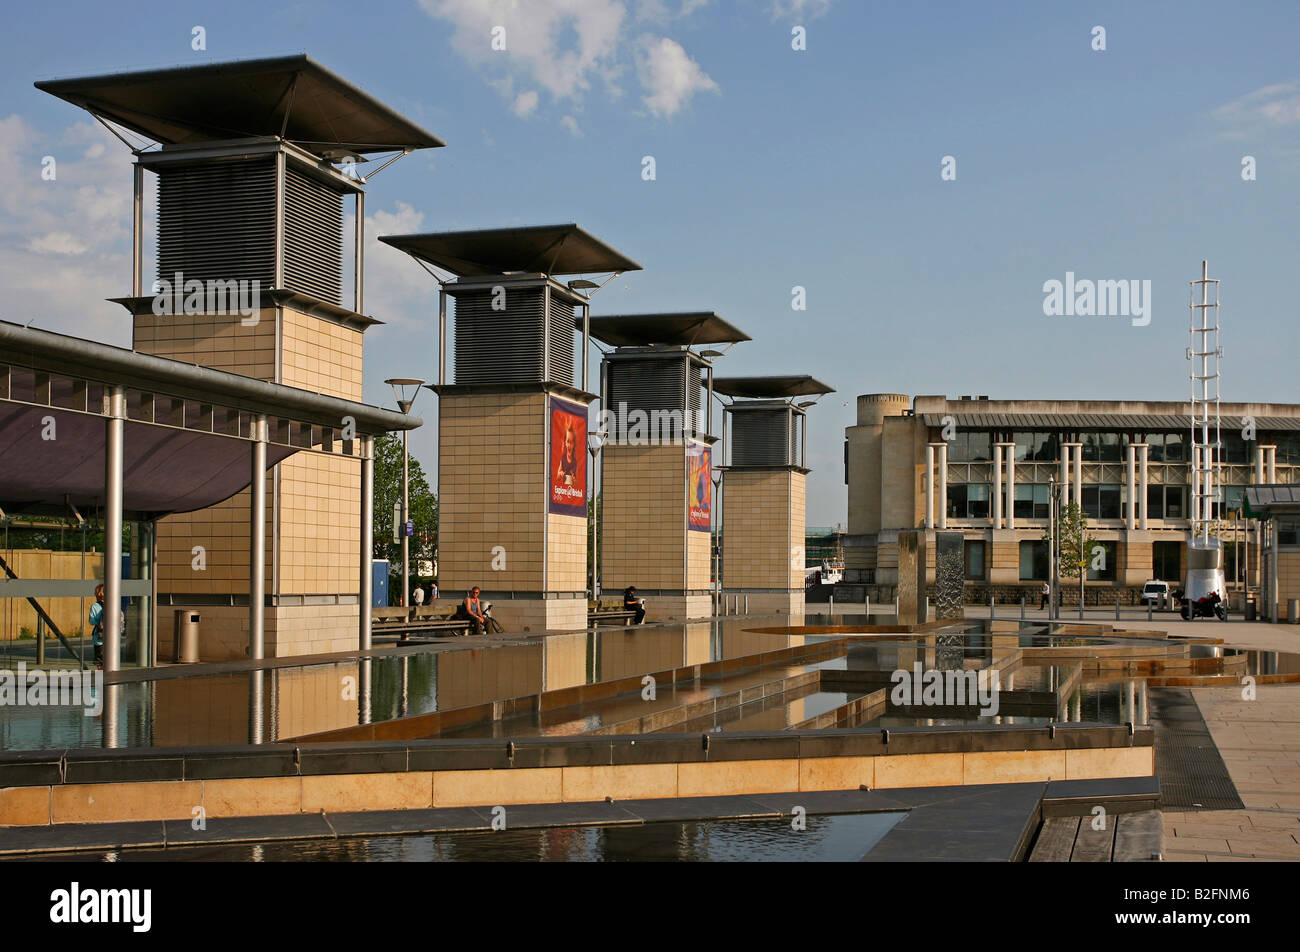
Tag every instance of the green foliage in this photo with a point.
(1073, 541)
(388, 490)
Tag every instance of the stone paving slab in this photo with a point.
(1259, 741)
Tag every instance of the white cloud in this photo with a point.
(65, 243)
(561, 45)
(525, 103)
(669, 76)
(808, 9)
(568, 122)
(58, 243)
(566, 49)
(1276, 105)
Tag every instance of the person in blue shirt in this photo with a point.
(97, 626)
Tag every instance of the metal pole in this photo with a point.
(137, 232)
(1051, 548)
(279, 219)
(115, 428)
(586, 344)
(442, 339)
(257, 544)
(359, 256)
(367, 579)
(406, 516)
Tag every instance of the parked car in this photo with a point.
(1154, 590)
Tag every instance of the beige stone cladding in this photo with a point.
(763, 525)
(492, 481)
(496, 531)
(566, 553)
(316, 506)
(643, 522)
(1288, 581)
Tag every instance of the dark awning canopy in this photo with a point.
(164, 469)
(768, 388)
(545, 249)
(1263, 501)
(687, 329)
(290, 95)
(187, 430)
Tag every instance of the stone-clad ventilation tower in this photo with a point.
(254, 161)
(512, 428)
(764, 489)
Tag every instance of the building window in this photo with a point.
(1165, 502)
(1033, 561)
(1109, 555)
(1166, 560)
(1288, 531)
(975, 567)
(1032, 500)
(968, 501)
(1103, 501)
(1035, 447)
(971, 446)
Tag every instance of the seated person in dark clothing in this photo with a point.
(633, 604)
(471, 609)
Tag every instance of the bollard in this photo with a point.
(992, 610)
(746, 604)
(926, 617)
(1081, 606)
(830, 612)
(895, 607)
(1150, 602)
(1022, 607)
(866, 605)
(1117, 608)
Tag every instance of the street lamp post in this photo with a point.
(1053, 558)
(404, 403)
(595, 442)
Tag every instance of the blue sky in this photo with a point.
(775, 168)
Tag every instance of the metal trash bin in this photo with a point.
(1252, 610)
(185, 635)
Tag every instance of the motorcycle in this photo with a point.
(1211, 606)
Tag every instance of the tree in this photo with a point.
(1075, 545)
(388, 491)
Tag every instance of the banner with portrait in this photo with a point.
(699, 486)
(567, 479)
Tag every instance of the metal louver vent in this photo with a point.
(655, 387)
(216, 222)
(762, 438)
(507, 346)
(313, 237)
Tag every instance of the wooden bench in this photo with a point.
(414, 620)
(608, 612)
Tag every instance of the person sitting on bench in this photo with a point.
(471, 610)
(633, 604)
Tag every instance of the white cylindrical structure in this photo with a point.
(929, 486)
(1010, 458)
(1130, 467)
(997, 485)
(111, 620)
(257, 544)
(366, 596)
(1259, 465)
(1271, 463)
(942, 501)
(1142, 487)
(1077, 486)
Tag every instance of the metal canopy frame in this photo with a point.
(546, 249)
(682, 329)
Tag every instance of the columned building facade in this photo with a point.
(987, 467)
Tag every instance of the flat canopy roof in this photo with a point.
(1262, 500)
(793, 385)
(681, 329)
(172, 463)
(313, 107)
(548, 249)
(1099, 421)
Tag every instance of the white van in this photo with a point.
(1153, 591)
